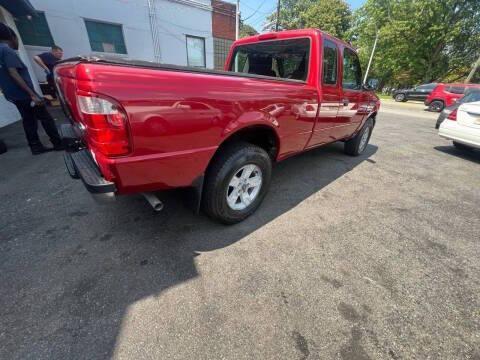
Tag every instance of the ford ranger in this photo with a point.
(143, 127)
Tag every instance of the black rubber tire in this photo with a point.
(436, 106)
(352, 146)
(224, 166)
(401, 97)
(462, 147)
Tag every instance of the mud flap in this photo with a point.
(193, 198)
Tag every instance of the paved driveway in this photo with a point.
(375, 257)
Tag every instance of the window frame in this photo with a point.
(232, 60)
(322, 74)
(221, 49)
(39, 13)
(343, 68)
(85, 20)
(204, 50)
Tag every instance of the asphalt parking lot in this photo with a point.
(375, 257)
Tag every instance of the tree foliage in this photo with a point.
(332, 16)
(419, 40)
(247, 30)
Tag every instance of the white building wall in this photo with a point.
(175, 19)
(8, 111)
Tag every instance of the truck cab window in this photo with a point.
(286, 59)
(352, 72)
(329, 63)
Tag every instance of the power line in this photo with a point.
(256, 22)
(256, 10)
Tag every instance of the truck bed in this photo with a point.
(116, 60)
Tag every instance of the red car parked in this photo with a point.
(142, 127)
(445, 95)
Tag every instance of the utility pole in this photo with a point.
(371, 58)
(278, 16)
(474, 70)
(237, 21)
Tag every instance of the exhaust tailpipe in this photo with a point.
(154, 201)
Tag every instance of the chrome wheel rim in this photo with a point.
(364, 139)
(400, 97)
(244, 187)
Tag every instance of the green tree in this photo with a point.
(247, 30)
(291, 15)
(419, 40)
(332, 16)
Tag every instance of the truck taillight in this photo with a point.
(453, 115)
(106, 124)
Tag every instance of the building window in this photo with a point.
(34, 31)
(195, 51)
(105, 37)
(221, 47)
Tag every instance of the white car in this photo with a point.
(463, 126)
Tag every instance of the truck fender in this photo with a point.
(250, 119)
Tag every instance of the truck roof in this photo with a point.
(288, 34)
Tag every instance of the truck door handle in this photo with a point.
(345, 102)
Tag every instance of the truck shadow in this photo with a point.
(106, 258)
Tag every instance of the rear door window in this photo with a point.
(284, 59)
(352, 72)
(471, 96)
(456, 89)
(330, 67)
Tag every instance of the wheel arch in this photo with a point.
(262, 135)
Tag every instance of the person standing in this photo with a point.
(47, 61)
(17, 88)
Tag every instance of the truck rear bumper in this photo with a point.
(80, 165)
(133, 174)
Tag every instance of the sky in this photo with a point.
(255, 11)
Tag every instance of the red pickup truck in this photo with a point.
(141, 127)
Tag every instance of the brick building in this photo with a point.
(223, 30)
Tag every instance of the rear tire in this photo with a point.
(400, 97)
(358, 144)
(227, 166)
(462, 147)
(436, 106)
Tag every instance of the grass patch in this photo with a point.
(384, 96)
